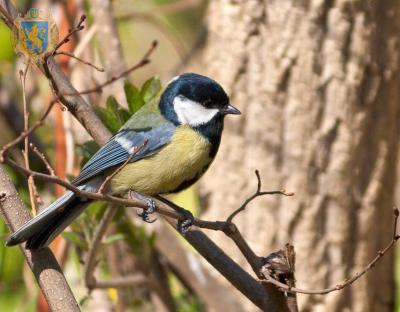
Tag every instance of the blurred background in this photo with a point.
(318, 83)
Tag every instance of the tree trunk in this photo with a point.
(318, 85)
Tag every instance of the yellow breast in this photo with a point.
(184, 158)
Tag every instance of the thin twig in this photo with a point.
(43, 158)
(24, 134)
(80, 60)
(90, 263)
(70, 33)
(33, 193)
(345, 283)
(134, 151)
(144, 61)
(255, 195)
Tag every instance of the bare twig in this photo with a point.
(43, 158)
(80, 60)
(134, 151)
(255, 195)
(70, 33)
(83, 42)
(33, 193)
(343, 284)
(144, 61)
(24, 134)
(90, 263)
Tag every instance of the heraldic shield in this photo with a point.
(36, 33)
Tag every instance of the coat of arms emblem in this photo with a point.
(36, 33)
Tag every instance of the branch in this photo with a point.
(90, 263)
(266, 270)
(42, 262)
(33, 193)
(70, 33)
(43, 158)
(144, 61)
(25, 133)
(255, 195)
(270, 301)
(80, 60)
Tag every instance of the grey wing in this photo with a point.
(118, 149)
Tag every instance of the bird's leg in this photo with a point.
(151, 206)
(188, 219)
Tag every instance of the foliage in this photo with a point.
(114, 116)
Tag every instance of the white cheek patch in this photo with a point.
(191, 112)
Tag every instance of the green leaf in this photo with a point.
(114, 108)
(112, 104)
(133, 97)
(124, 114)
(113, 238)
(150, 89)
(110, 120)
(75, 239)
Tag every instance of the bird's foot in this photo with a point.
(151, 207)
(185, 224)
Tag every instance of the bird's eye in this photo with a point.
(207, 103)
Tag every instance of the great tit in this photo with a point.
(180, 134)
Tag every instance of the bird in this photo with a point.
(178, 133)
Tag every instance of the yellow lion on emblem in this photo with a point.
(36, 37)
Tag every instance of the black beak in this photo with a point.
(231, 110)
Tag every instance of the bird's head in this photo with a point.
(195, 100)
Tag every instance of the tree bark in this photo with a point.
(42, 262)
(317, 82)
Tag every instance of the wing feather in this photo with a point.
(118, 149)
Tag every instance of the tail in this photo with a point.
(42, 229)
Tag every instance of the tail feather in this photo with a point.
(42, 229)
